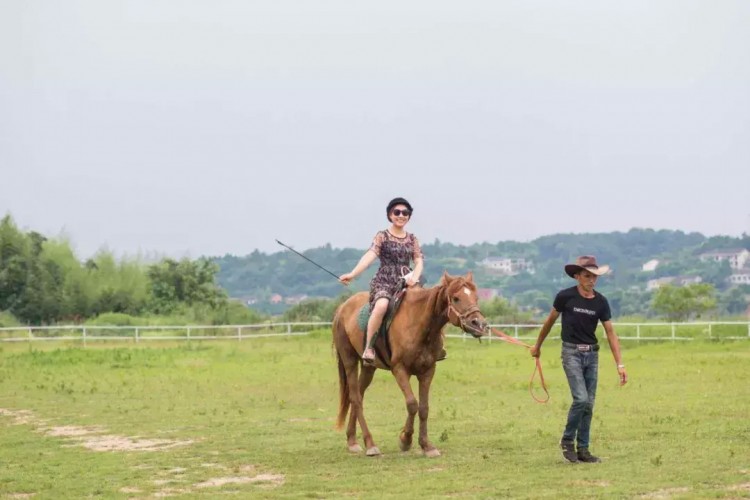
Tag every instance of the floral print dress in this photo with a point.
(395, 256)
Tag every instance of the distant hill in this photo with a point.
(287, 278)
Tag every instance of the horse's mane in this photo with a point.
(438, 295)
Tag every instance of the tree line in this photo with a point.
(258, 276)
(43, 282)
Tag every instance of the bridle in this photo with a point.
(462, 319)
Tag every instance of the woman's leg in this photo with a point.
(373, 325)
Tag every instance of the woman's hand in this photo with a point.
(410, 281)
(346, 278)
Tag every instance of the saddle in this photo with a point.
(382, 349)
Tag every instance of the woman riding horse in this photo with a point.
(395, 248)
(415, 336)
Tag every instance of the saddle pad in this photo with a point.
(363, 317)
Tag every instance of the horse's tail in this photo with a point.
(344, 402)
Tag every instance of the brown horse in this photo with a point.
(416, 341)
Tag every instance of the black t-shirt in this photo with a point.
(580, 315)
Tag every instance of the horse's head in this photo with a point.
(460, 293)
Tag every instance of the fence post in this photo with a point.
(673, 328)
(638, 332)
(239, 333)
(188, 333)
(288, 328)
(136, 334)
(515, 331)
(84, 336)
(710, 335)
(31, 335)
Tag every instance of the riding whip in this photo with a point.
(308, 259)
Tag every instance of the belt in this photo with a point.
(582, 347)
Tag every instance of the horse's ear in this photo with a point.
(445, 278)
(470, 276)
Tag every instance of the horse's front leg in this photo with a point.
(424, 409)
(402, 379)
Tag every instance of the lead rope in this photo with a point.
(538, 369)
(511, 340)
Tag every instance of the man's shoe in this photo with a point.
(584, 455)
(569, 451)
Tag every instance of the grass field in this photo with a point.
(255, 418)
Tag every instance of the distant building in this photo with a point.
(741, 278)
(650, 265)
(295, 299)
(657, 283)
(507, 266)
(487, 293)
(737, 258)
(276, 299)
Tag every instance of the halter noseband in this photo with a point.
(462, 319)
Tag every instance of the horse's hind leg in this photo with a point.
(357, 412)
(365, 378)
(351, 429)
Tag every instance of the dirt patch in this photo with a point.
(271, 480)
(91, 437)
(740, 487)
(601, 484)
(129, 489)
(71, 431)
(20, 417)
(171, 492)
(666, 493)
(19, 495)
(122, 443)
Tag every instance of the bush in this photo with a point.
(115, 319)
(8, 320)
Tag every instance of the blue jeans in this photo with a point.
(581, 369)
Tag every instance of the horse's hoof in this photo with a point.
(432, 453)
(355, 448)
(373, 452)
(403, 443)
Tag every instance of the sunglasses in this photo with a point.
(397, 212)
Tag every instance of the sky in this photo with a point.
(189, 128)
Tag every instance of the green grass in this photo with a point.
(679, 429)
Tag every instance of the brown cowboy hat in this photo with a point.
(587, 262)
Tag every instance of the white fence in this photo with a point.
(88, 333)
(729, 330)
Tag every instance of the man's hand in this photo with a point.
(535, 351)
(623, 375)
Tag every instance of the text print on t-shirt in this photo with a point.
(584, 311)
